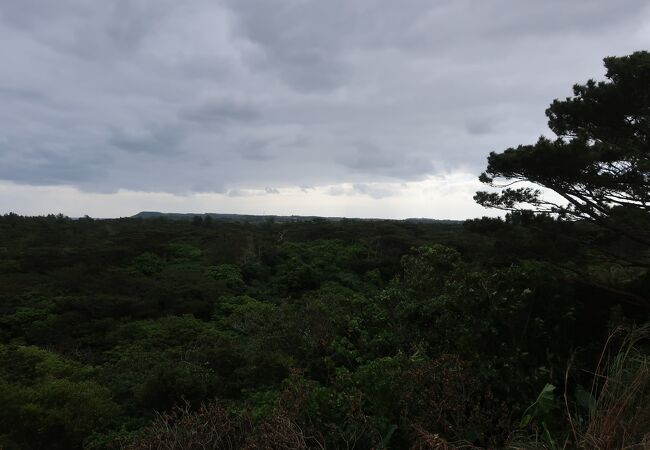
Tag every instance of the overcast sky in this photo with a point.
(361, 108)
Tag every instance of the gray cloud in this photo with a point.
(155, 141)
(372, 191)
(219, 111)
(478, 126)
(254, 150)
(49, 165)
(368, 157)
(157, 95)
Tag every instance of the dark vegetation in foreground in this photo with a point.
(524, 332)
(350, 335)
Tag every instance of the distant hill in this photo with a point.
(252, 218)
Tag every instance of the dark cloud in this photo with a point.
(370, 159)
(221, 111)
(295, 41)
(155, 141)
(49, 166)
(21, 95)
(166, 96)
(254, 150)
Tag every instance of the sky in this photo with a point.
(356, 108)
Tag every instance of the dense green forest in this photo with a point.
(525, 331)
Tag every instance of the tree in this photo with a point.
(599, 164)
(49, 401)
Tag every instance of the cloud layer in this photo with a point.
(220, 97)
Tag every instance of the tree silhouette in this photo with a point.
(599, 164)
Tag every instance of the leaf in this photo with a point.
(386, 439)
(584, 398)
(542, 407)
(546, 400)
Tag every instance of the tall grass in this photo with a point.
(614, 414)
(620, 415)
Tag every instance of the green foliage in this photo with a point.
(148, 264)
(49, 401)
(544, 412)
(228, 274)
